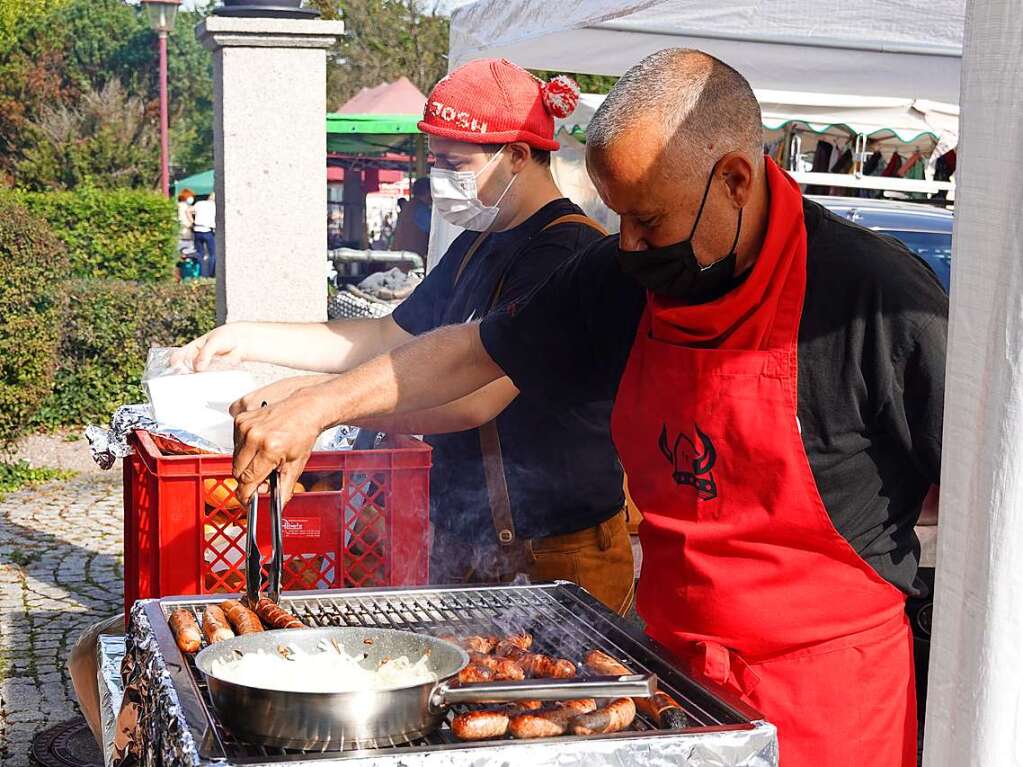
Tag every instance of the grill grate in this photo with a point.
(564, 621)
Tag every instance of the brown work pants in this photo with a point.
(598, 558)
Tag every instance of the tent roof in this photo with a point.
(371, 134)
(900, 48)
(200, 183)
(397, 98)
(905, 120)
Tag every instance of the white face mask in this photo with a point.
(456, 197)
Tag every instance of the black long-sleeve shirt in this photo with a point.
(871, 354)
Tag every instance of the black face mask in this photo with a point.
(674, 272)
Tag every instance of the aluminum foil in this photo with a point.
(757, 747)
(109, 656)
(109, 444)
(150, 728)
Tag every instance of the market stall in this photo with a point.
(866, 143)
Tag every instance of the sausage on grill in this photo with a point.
(241, 618)
(522, 639)
(186, 630)
(504, 669)
(549, 722)
(614, 717)
(275, 616)
(664, 710)
(489, 723)
(215, 625)
(475, 673)
(600, 662)
(545, 667)
(478, 643)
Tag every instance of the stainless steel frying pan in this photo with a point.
(373, 717)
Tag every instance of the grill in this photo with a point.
(565, 622)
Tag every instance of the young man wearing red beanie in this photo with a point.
(518, 486)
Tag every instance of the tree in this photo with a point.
(105, 140)
(384, 39)
(65, 51)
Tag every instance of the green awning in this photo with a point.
(200, 183)
(371, 134)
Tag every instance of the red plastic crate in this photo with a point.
(363, 521)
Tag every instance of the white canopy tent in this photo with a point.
(902, 49)
(892, 51)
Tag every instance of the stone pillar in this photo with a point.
(269, 132)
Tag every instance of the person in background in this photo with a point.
(186, 217)
(412, 231)
(519, 485)
(204, 226)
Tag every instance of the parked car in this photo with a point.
(924, 229)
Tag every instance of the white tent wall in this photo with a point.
(974, 714)
(904, 48)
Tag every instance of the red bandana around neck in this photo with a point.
(742, 318)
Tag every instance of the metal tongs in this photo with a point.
(253, 557)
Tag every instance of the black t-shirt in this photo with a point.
(561, 468)
(871, 354)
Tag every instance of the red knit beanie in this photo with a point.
(492, 101)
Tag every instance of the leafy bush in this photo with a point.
(31, 262)
(109, 328)
(15, 476)
(126, 234)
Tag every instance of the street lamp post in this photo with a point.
(161, 15)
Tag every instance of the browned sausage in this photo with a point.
(480, 725)
(661, 708)
(474, 673)
(549, 722)
(522, 639)
(508, 670)
(562, 669)
(503, 668)
(186, 630)
(601, 663)
(545, 667)
(241, 618)
(275, 616)
(478, 643)
(215, 624)
(488, 723)
(614, 717)
(506, 649)
(479, 659)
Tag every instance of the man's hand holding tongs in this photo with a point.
(278, 436)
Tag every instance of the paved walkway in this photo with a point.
(60, 571)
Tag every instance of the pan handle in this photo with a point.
(626, 686)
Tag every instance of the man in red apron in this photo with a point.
(778, 385)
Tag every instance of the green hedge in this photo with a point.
(126, 234)
(31, 304)
(109, 327)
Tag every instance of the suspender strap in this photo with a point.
(490, 439)
(469, 253)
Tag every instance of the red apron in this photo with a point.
(744, 574)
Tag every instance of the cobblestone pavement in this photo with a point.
(60, 571)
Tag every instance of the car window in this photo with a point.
(933, 247)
